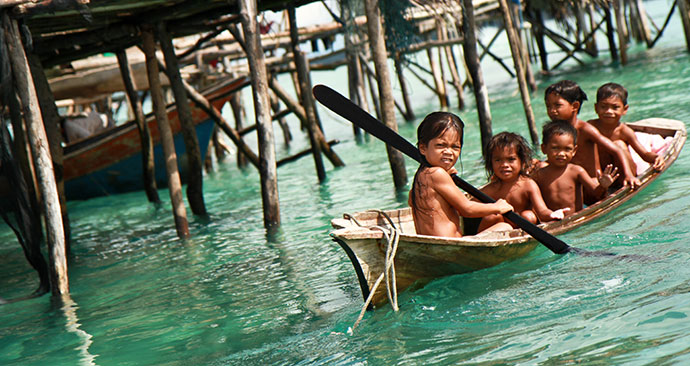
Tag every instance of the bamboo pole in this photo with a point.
(515, 43)
(195, 192)
(174, 182)
(620, 30)
(379, 53)
(267, 154)
(51, 122)
(147, 162)
(41, 157)
(306, 97)
(481, 94)
(684, 10)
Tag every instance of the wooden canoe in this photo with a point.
(421, 258)
(110, 161)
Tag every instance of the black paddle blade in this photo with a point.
(353, 113)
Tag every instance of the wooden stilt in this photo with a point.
(437, 71)
(174, 182)
(516, 17)
(379, 53)
(239, 115)
(369, 79)
(354, 74)
(409, 112)
(515, 42)
(621, 31)
(591, 46)
(275, 107)
(684, 11)
(609, 34)
(51, 121)
(481, 94)
(267, 154)
(41, 156)
(147, 162)
(453, 68)
(195, 191)
(306, 97)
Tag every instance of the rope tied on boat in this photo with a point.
(392, 236)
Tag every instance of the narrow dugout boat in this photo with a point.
(109, 162)
(420, 258)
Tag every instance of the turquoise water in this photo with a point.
(236, 295)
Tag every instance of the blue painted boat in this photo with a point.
(110, 162)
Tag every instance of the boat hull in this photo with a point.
(421, 258)
(111, 162)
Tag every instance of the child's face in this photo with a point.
(610, 110)
(560, 109)
(506, 163)
(560, 149)
(442, 151)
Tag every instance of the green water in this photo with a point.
(233, 295)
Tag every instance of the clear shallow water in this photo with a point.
(233, 295)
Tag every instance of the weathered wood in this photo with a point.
(638, 17)
(239, 115)
(610, 37)
(195, 192)
(301, 154)
(279, 116)
(481, 94)
(621, 31)
(409, 112)
(452, 67)
(135, 106)
(306, 97)
(354, 74)
(41, 157)
(379, 53)
(439, 80)
(267, 154)
(684, 11)
(173, 175)
(515, 45)
(51, 122)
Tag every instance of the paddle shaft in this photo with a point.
(353, 113)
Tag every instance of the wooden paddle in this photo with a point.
(353, 113)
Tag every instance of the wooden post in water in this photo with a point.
(516, 14)
(538, 30)
(51, 122)
(379, 53)
(609, 34)
(481, 94)
(684, 10)
(306, 97)
(638, 16)
(38, 141)
(354, 69)
(147, 162)
(515, 43)
(452, 64)
(620, 29)
(409, 111)
(267, 154)
(174, 182)
(195, 181)
(437, 72)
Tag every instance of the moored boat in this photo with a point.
(110, 162)
(364, 236)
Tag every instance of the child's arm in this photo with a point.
(443, 184)
(605, 143)
(599, 186)
(539, 206)
(652, 158)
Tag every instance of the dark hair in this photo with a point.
(557, 128)
(434, 125)
(568, 90)
(504, 140)
(612, 90)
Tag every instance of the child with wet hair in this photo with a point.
(437, 203)
(507, 162)
(611, 106)
(562, 182)
(563, 102)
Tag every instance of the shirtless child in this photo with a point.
(563, 101)
(561, 182)
(611, 106)
(507, 160)
(436, 202)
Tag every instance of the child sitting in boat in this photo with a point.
(563, 101)
(508, 156)
(436, 202)
(561, 182)
(611, 106)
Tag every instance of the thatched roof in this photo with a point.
(66, 30)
